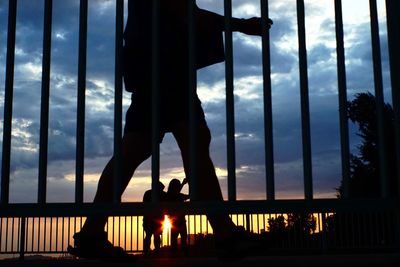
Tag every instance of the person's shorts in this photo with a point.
(171, 112)
(153, 227)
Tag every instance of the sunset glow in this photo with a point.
(167, 224)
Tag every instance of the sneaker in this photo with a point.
(97, 246)
(239, 245)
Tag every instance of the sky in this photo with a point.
(249, 136)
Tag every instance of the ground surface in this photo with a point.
(379, 260)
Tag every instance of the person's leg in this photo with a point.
(157, 241)
(147, 241)
(136, 148)
(183, 233)
(174, 241)
(208, 185)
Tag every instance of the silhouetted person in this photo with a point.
(153, 224)
(173, 106)
(178, 221)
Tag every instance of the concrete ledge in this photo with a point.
(378, 260)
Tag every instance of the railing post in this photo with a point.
(22, 238)
(155, 94)
(393, 22)
(305, 112)
(44, 111)
(80, 127)
(8, 102)
(192, 98)
(342, 88)
(379, 99)
(119, 24)
(230, 103)
(268, 128)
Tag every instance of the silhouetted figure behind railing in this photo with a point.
(174, 118)
(153, 224)
(178, 221)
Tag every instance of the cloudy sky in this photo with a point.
(250, 171)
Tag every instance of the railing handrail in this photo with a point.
(195, 208)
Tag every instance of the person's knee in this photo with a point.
(204, 136)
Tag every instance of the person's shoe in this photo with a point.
(97, 246)
(239, 245)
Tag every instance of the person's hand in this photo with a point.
(253, 26)
(185, 181)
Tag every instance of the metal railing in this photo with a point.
(44, 227)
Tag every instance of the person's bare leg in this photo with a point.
(157, 241)
(147, 242)
(208, 185)
(136, 148)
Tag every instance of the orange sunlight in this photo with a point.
(167, 224)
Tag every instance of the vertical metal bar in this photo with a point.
(125, 232)
(12, 234)
(33, 233)
(39, 228)
(230, 103)
(192, 79)
(49, 239)
(132, 233)
(342, 87)
(323, 230)
(195, 227)
(26, 235)
(119, 230)
(206, 226)
(393, 22)
(113, 229)
(6, 244)
(75, 225)
(377, 218)
(377, 61)
(51, 233)
(263, 222)
(201, 223)
(8, 102)
(267, 88)
(69, 229)
(44, 233)
(57, 234)
(137, 231)
(248, 224)
(1, 232)
(44, 110)
(119, 24)
(62, 235)
(80, 127)
(22, 238)
(305, 112)
(155, 103)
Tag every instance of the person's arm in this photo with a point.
(184, 197)
(179, 10)
(184, 181)
(251, 26)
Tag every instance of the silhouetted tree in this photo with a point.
(277, 225)
(304, 223)
(364, 172)
(357, 228)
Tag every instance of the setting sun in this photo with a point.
(167, 224)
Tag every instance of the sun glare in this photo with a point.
(167, 224)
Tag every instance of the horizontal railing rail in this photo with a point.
(240, 206)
